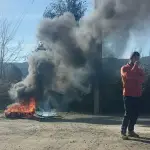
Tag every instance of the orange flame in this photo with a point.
(22, 108)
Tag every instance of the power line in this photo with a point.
(21, 18)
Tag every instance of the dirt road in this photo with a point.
(73, 132)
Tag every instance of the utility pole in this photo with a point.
(98, 80)
(96, 3)
(96, 89)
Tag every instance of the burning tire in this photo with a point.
(17, 115)
(21, 110)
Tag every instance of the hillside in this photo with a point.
(23, 67)
(108, 64)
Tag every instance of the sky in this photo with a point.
(31, 11)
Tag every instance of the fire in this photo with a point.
(25, 110)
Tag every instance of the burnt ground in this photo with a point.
(71, 132)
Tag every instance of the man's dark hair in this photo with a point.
(135, 54)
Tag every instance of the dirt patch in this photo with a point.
(71, 132)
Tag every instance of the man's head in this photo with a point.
(135, 56)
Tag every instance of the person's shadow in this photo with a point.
(141, 139)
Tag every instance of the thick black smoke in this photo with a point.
(73, 49)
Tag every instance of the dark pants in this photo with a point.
(131, 106)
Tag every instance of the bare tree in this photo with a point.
(9, 51)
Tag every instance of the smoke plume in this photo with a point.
(72, 55)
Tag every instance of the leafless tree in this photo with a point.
(9, 51)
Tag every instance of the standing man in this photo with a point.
(132, 78)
